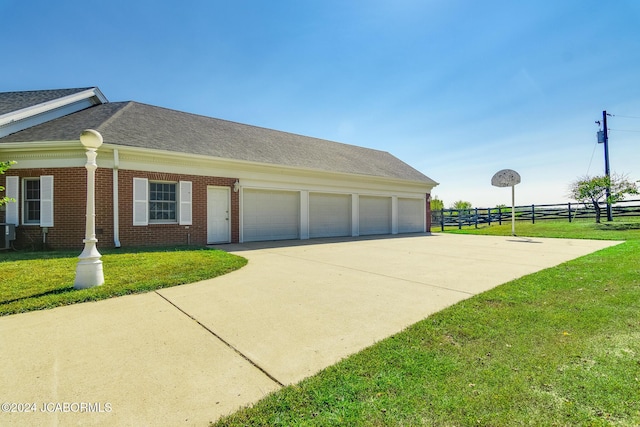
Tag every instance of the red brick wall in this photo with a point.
(160, 234)
(69, 186)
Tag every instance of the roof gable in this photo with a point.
(21, 110)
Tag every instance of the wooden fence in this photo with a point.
(568, 212)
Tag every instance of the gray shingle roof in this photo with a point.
(145, 126)
(14, 101)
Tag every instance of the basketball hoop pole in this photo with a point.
(513, 210)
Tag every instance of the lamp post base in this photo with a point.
(89, 269)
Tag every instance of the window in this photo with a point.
(35, 198)
(32, 201)
(162, 201)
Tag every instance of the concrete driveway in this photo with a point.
(190, 354)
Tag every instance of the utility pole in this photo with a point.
(607, 172)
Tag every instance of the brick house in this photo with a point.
(166, 177)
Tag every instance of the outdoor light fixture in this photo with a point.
(89, 268)
(236, 186)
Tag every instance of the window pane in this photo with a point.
(32, 190)
(32, 211)
(162, 201)
(32, 201)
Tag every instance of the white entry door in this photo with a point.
(218, 215)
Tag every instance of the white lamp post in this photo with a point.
(89, 269)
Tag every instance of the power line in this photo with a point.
(592, 153)
(623, 130)
(625, 117)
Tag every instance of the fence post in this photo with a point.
(442, 219)
(489, 216)
(569, 211)
(533, 214)
(476, 212)
(499, 215)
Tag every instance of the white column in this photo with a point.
(355, 215)
(394, 214)
(116, 201)
(304, 214)
(89, 268)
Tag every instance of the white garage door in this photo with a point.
(411, 215)
(270, 215)
(329, 215)
(375, 215)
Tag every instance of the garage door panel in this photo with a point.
(329, 215)
(270, 215)
(375, 215)
(411, 215)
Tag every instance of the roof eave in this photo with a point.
(43, 107)
(155, 154)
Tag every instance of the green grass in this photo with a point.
(41, 280)
(619, 229)
(560, 347)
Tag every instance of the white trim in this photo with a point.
(116, 201)
(140, 201)
(252, 174)
(12, 190)
(394, 214)
(304, 215)
(14, 116)
(240, 212)
(355, 215)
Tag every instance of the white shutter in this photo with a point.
(140, 201)
(46, 201)
(185, 203)
(12, 191)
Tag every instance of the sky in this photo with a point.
(458, 89)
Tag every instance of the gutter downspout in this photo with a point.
(116, 220)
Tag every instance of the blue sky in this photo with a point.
(457, 89)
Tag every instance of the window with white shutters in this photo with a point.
(161, 202)
(37, 201)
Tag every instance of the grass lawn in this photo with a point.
(560, 347)
(40, 280)
(619, 229)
